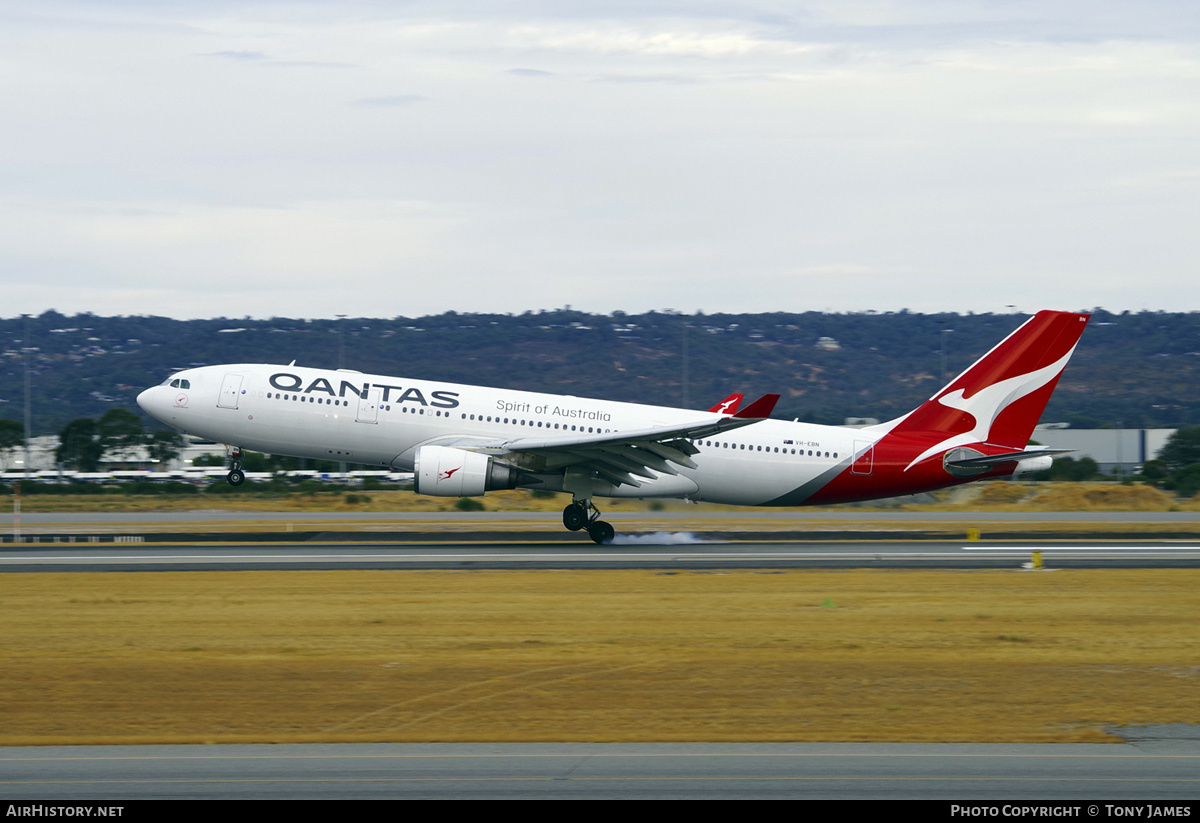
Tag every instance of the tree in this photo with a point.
(1154, 470)
(120, 433)
(78, 445)
(1068, 468)
(164, 446)
(12, 435)
(1186, 481)
(1182, 448)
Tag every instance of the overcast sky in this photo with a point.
(200, 159)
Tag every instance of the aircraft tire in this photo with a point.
(236, 477)
(575, 517)
(601, 532)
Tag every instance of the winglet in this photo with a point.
(760, 408)
(729, 405)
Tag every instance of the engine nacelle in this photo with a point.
(1033, 464)
(445, 472)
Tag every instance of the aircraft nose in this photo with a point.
(153, 403)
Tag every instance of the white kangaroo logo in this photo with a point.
(987, 404)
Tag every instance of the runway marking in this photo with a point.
(548, 778)
(581, 557)
(1134, 549)
(447, 556)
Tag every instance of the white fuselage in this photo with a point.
(383, 421)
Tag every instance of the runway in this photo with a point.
(662, 551)
(680, 539)
(1161, 770)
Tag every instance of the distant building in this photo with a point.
(42, 455)
(1126, 449)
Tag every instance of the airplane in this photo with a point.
(462, 440)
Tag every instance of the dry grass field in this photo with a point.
(595, 655)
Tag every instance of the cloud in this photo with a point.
(673, 79)
(308, 64)
(237, 55)
(853, 156)
(392, 101)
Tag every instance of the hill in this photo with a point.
(1131, 369)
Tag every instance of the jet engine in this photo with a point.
(1033, 464)
(445, 472)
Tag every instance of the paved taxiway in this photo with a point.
(1146, 769)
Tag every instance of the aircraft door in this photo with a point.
(368, 407)
(866, 460)
(231, 388)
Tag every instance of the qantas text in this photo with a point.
(291, 382)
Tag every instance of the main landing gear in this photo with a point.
(582, 514)
(236, 476)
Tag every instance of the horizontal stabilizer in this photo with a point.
(986, 461)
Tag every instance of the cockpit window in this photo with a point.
(177, 383)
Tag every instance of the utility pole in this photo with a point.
(341, 341)
(28, 425)
(685, 366)
(341, 365)
(942, 346)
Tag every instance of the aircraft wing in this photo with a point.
(620, 457)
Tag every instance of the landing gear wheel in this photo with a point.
(575, 517)
(601, 531)
(235, 476)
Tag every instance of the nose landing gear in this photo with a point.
(583, 514)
